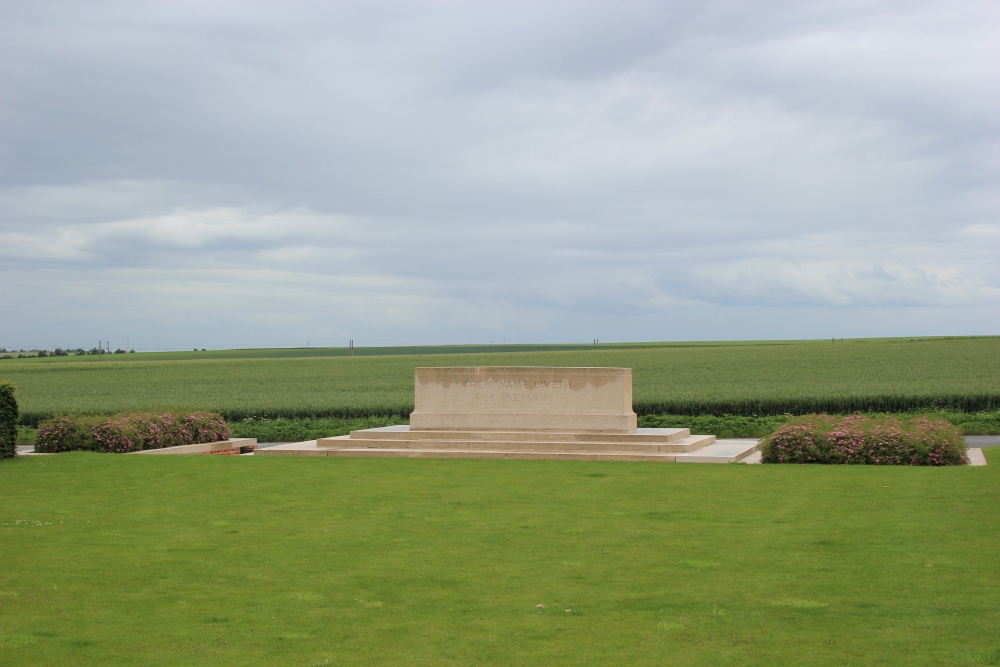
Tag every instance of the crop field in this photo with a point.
(741, 379)
(173, 560)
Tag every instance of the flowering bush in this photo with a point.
(64, 434)
(205, 427)
(863, 440)
(135, 431)
(130, 432)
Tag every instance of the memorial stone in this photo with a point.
(523, 398)
(524, 412)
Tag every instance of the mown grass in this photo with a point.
(740, 379)
(119, 560)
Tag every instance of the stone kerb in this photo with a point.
(523, 398)
(231, 446)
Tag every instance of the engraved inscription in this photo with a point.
(531, 393)
(515, 397)
(516, 384)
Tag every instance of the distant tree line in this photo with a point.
(58, 352)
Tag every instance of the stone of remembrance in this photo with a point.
(524, 412)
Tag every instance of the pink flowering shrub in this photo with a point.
(130, 432)
(856, 439)
(205, 427)
(64, 434)
(135, 431)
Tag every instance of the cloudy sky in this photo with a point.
(233, 174)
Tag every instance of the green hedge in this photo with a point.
(8, 421)
(769, 407)
(804, 405)
(297, 430)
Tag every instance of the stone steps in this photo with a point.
(721, 453)
(403, 432)
(358, 441)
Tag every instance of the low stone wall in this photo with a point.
(233, 451)
(229, 447)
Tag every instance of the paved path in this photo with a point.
(977, 441)
(982, 440)
(976, 457)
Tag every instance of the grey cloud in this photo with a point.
(437, 172)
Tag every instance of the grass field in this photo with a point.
(706, 378)
(119, 560)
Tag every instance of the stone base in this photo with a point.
(645, 444)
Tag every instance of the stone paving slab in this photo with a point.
(976, 457)
(721, 451)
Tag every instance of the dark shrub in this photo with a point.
(9, 414)
(862, 440)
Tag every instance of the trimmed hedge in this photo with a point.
(803, 405)
(864, 440)
(129, 432)
(297, 430)
(8, 421)
(727, 426)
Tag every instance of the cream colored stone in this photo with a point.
(202, 448)
(568, 414)
(523, 398)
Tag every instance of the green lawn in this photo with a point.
(736, 378)
(173, 560)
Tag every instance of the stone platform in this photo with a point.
(524, 412)
(645, 444)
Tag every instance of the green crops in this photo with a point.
(768, 378)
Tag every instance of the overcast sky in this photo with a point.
(233, 174)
